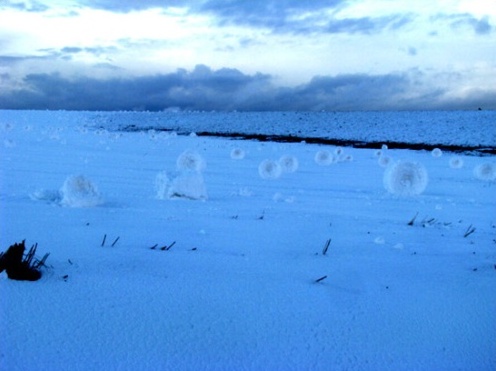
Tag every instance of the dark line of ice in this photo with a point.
(469, 150)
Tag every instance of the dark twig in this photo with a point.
(115, 241)
(469, 231)
(326, 246)
(104, 238)
(320, 279)
(413, 219)
(167, 248)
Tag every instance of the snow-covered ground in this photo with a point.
(246, 223)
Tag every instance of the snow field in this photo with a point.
(237, 290)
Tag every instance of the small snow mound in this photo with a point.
(269, 169)
(456, 162)
(486, 171)
(384, 147)
(289, 164)
(189, 185)
(379, 240)
(324, 157)
(384, 161)
(162, 184)
(78, 191)
(190, 160)
(245, 192)
(436, 152)
(346, 158)
(46, 195)
(237, 154)
(405, 178)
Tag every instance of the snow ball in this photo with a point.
(324, 157)
(456, 162)
(189, 185)
(436, 152)
(269, 169)
(405, 178)
(78, 191)
(237, 154)
(289, 164)
(384, 161)
(486, 171)
(190, 160)
(384, 147)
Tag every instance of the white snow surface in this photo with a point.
(238, 289)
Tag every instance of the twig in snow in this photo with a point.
(326, 246)
(167, 248)
(104, 238)
(154, 246)
(320, 279)
(115, 241)
(413, 219)
(428, 222)
(469, 231)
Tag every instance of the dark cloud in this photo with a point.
(367, 25)
(267, 13)
(279, 16)
(480, 26)
(229, 89)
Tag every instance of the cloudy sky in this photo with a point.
(248, 54)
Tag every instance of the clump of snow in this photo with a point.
(46, 195)
(191, 160)
(346, 158)
(324, 157)
(245, 192)
(486, 171)
(456, 162)
(78, 191)
(269, 169)
(436, 152)
(384, 161)
(189, 185)
(162, 185)
(237, 154)
(405, 178)
(379, 240)
(289, 164)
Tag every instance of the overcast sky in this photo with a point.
(248, 54)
